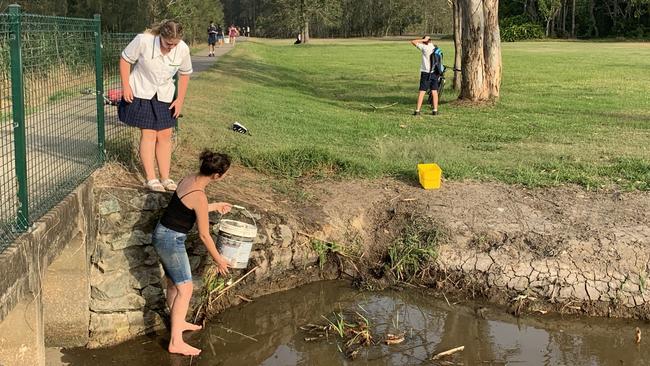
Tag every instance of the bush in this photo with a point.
(520, 32)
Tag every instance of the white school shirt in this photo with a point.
(153, 72)
(427, 50)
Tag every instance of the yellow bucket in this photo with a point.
(430, 175)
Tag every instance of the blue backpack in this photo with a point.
(436, 61)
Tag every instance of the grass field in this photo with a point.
(570, 112)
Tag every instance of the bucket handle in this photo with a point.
(247, 213)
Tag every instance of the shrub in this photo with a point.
(520, 32)
(520, 28)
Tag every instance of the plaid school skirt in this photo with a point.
(149, 114)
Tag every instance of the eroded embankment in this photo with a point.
(559, 249)
(562, 249)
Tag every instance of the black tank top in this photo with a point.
(177, 216)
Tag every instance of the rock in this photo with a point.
(284, 234)
(144, 322)
(116, 285)
(195, 262)
(483, 263)
(128, 302)
(127, 222)
(150, 201)
(136, 237)
(109, 206)
(144, 276)
(280, 258)
(113, 260)
(153, 294)
(107, 329)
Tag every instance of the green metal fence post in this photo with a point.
(18, 114)
(99, 87)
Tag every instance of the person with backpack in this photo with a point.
(430, 72)
(212, 38)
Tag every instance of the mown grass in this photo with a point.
(570, 112)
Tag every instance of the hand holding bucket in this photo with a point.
(235, 239)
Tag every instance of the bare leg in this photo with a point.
(179, 312)
(434, 102)
(164, 152)
(171, 294)
(420, 100)
(147, 152)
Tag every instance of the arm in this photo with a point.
(417, 41)
(125, 72)
(177, 105)
(203, 224)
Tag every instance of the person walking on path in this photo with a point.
(188, 206)
(220, 35)
(428, 79)
(148, 103)
(232, 34)
(212, 38)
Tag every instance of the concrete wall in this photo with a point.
(24, 271)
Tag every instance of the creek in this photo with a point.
(267, 332)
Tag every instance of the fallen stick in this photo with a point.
(225, 289)
(236, 332)
(448, 352)
(383, 106)
(244, 298)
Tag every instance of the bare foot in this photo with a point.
(190, 326)
(183, 349)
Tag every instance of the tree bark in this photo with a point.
(573, 20)
(458, 48)
(305, 30)
(473, 86)
(592, 19)
(492, 48)
(481, 50)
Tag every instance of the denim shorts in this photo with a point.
(170, 246)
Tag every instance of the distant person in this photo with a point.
(298, 39)
(428, 77)
(212, 38)
(232, 34)
(148, 103)
(220, 35)
(188, 205)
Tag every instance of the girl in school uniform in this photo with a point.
(147, 69)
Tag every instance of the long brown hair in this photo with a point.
(168, 29)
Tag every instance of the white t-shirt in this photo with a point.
(427, 50)
(153, 72)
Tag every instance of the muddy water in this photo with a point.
(431, 326)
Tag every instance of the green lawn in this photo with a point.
(570, 112)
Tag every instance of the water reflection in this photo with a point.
(266, 332)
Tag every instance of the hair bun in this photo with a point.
(207, 154)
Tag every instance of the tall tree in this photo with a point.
(458, 45)
(481, 56)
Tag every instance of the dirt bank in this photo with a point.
(562, 249)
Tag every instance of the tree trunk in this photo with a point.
(458, 50)
(481, 55)
(573, 20)
(473, 86)
(564, 9)
(592, 19)
(492, 48)
(305, 30)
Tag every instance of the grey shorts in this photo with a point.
(170, 247)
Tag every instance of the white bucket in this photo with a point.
(235, 240)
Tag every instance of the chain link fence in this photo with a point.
(56, 122)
